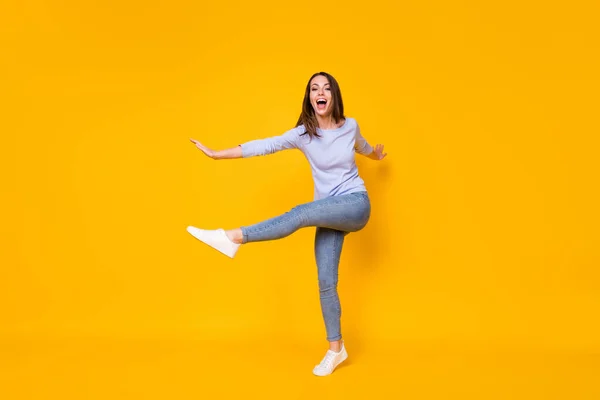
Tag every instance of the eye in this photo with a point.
(328, 89)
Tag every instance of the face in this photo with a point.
(320, 96)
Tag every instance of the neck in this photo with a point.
(326, 122)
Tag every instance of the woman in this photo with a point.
(341, 205)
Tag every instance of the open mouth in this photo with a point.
(321, 104)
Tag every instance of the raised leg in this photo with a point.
(346, 213)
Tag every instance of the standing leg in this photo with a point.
(328, 249)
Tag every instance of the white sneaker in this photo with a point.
(330, 361)
(217, 239)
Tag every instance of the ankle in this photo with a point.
(335, 346)
(235, 235)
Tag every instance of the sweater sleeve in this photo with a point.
(263, 147)
(361, 146)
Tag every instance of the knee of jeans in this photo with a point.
(366, 216)
(327, 288)
(363, 221)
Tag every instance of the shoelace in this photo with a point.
(327, 361)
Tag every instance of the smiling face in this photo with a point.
(322, 105)
(320, 96)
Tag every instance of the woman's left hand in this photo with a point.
(377, 153)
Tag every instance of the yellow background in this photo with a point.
(477, 276)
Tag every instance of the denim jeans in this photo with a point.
(334, 217)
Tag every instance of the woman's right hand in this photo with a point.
(210, 153)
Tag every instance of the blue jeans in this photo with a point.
(334, 217)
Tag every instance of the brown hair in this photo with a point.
(308, 118)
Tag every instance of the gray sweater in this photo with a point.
(331, 156)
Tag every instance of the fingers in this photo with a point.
(198, 144)
(379, 150)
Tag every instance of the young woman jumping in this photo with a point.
(341, 204)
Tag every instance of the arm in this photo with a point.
(234, 152)
(263, 147)
(361, 146)
(259, 147)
